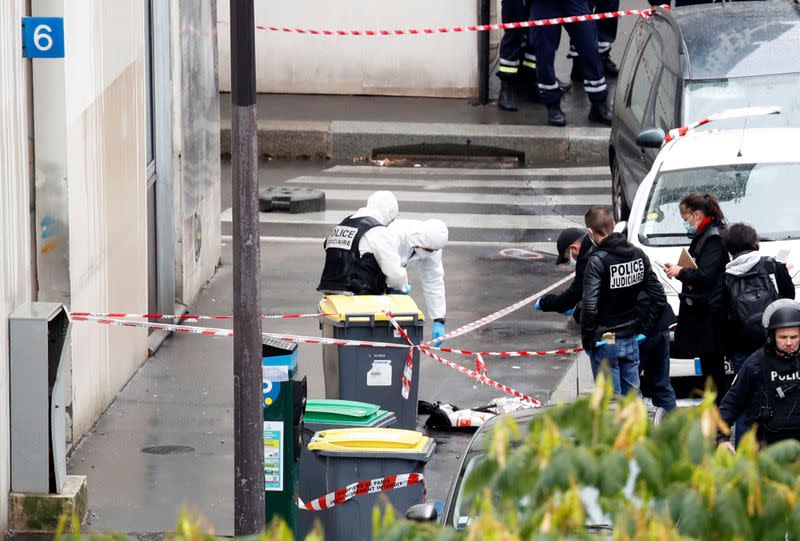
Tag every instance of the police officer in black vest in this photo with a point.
(361, 253)
(767, 388)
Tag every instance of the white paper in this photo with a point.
(380, 375)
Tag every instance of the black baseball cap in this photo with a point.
(565, 238)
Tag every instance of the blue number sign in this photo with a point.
(43, 37)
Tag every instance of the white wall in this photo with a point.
(15, 218)
(424, 65)
(90, 183)
(196, 166)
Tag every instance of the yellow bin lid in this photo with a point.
(342, 306)
(369, 440)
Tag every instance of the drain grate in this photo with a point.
(168, 450)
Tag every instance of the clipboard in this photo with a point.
(686, 261)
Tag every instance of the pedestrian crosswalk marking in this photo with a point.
(453, 171)
(475, 198)
(466, 221)
(440, 184)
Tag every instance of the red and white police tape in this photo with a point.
(483, 378)
(186, 316)
(465, 28)
(479, 374)
(469, 327)
(722, 115)
(381, 484)
(408, 369)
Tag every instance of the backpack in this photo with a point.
(749, 295)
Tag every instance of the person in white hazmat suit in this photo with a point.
(421, 244)
(362, 255)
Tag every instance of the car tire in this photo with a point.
(618, 202)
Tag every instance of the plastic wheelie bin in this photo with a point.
(371, 374)
(362, 454)
(326, 414)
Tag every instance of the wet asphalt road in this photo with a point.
(183, 395)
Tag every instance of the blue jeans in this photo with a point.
(654, 358)
(737, 359)
(622, 359)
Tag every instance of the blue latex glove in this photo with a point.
(538, 305)
(640, 338)
(569, 312)
(438, 332)
(600, 343)
(405, 291)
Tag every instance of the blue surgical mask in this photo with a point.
(690, 229)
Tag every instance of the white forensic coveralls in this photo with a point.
(415, 235)
(381, 242)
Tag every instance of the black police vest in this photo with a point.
(345, 268)
(781, 418)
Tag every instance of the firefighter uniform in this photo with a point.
(606, 35)
(584, 36)
(517, 60)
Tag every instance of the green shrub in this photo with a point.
(686, 488)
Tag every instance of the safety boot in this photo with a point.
(610, 68)
(600, 113)
(506, 100)
(555, 116)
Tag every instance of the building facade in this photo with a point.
(110, 186)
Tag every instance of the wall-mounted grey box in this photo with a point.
(37, 335)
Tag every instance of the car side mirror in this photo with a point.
(422, 512)
(621, 227)
(650, 138)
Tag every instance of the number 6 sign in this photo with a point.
(43, 37)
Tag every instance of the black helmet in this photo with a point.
(781, 314)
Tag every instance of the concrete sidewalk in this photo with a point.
(344, 128)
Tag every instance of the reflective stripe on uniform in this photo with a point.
(603, 46)
(530, 61)
(508, 69)
(504, 62)
(548, 87)
(595, 86)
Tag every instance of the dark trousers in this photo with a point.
(516, 54)
(583, 36)
(654, 362)
(713, 366)
(606, 28)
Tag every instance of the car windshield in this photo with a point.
(747, 193)
(703, 98)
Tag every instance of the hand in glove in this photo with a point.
(438, 332)
(569, 312)
(538, 305)
(640, 338)
(405, 291)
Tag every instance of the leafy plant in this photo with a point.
(587, 460)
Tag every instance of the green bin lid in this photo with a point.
(342, 412)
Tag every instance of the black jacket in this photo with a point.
(701, 312)
(570, 298)
(616, 274)
(750, 392)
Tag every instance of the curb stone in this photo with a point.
(343, 141)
